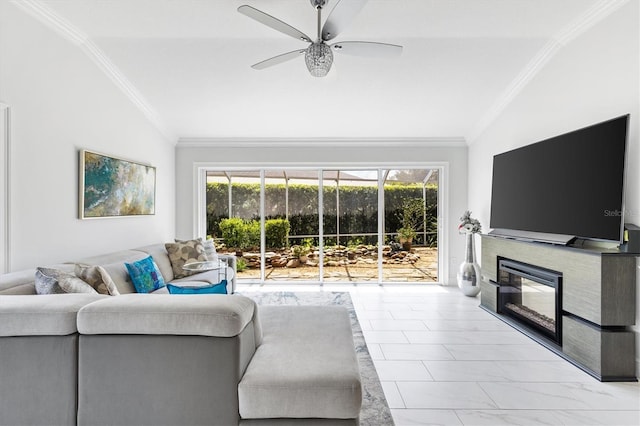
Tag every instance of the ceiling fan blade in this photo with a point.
(272, 22)
(367, 48)
(342, 14)
(278, 59)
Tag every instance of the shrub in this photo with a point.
(240, 234)
(252, 231)
(299, 251)
(232, 231)
(276, 232)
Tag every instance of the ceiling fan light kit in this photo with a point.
(319, 59)
(319, 56)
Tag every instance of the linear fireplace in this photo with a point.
(531, 296)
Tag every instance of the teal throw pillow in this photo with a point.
(220, 288)
(145, 275)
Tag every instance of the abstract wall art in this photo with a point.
(113, 187)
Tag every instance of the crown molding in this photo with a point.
(432, 142)
(46, 15)
(580, 25)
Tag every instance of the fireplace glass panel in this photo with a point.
(530, 296)
(536, 303)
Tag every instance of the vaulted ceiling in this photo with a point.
(186, 63)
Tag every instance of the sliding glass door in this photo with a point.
(291, 226)
(411, 225)
(331, 225)
(233, 217)
(350, 225)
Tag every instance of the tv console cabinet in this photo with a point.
(598, 295)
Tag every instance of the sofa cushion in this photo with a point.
(306, 366)
(145, 275)
(98, 278)
(55, 281)
(184, 252)
(45, 315)
(204, 315)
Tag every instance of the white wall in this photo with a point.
(334, 155)
(592, 79)
(61, 102)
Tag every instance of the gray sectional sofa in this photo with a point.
(158, 359)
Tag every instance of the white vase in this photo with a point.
(469, 271)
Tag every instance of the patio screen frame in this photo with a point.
(200, 214)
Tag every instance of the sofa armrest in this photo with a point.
(232, 262)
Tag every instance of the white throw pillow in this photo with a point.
(210, 250)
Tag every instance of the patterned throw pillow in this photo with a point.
(55, 281)
(184, 252)
(145, 275)
(209, 247)
(98, 278)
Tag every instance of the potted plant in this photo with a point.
(412, 218)
(406, 235)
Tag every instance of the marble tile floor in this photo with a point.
(444, 361)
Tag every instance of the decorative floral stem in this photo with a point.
(469, 225)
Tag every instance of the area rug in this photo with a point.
(375, 410)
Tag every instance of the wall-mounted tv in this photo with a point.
(572, 184)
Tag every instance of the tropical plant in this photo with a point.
(412, 214)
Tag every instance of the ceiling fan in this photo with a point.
(319, 56)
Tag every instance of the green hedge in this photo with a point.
(358, 209)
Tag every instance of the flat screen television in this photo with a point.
(570, 185)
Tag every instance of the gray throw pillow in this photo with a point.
(55, 281)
